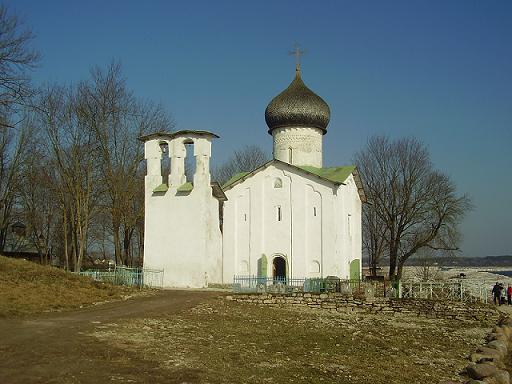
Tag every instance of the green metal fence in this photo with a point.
(313, 285)
(134, 277)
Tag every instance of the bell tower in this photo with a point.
(181, 218)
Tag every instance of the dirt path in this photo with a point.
(55, 348)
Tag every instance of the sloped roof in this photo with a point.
(217, 191)
(235, 178)
(172, 135)
(161, 188)
(335, 175)
(187, 187)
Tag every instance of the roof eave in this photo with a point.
(276, 161)
(359, 185)
(172, 135)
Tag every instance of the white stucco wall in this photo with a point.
(298, 146)
(280, 211)
(182, 234)
(313, 233)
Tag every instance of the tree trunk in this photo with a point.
(3, 236)
(392, 263)
(65, 227)
(127, 240)
(399, 270)
(117, 243)
(373, 267)
(140, 256)
(126, 248)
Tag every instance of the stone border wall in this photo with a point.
(489, 362)
(342, 303)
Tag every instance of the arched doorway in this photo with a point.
(279, 268)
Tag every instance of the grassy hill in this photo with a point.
(27, 288)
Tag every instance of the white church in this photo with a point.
(288, 218)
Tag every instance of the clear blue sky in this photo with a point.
(437, 70)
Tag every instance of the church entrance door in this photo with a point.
(279, 268)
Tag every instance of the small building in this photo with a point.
(289, 218)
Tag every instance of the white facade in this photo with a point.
(279, 213)
(289, 218)
(181, 229)
(285, 212)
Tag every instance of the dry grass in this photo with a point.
(228, 342)
(27, 288)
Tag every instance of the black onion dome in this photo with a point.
(297, 106)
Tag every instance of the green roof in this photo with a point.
(161, 188)
(187, 187)
(235, 178)
(334, 174)
(337, 175)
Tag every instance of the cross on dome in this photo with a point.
(297, 52)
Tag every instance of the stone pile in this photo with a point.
(489, 362)
(343, 303)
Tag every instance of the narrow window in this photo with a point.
(290, 155)
(314, 211)
(278, 183)
(165, 162)
(348, 225)
(190, 162)
(245, 216)
(279, 216)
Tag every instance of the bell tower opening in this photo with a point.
(165, 162)
(190, 160)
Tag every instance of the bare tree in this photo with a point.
(419, 205)
(426, 268)
(12, 151)
(244, 160)
(116, 118)
(72, 147)
(39, 209)
(17, 59)
(374, 237)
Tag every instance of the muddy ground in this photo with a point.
(198, 337)
(58, 348)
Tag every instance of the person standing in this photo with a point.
(509, 294)
(496, 293)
